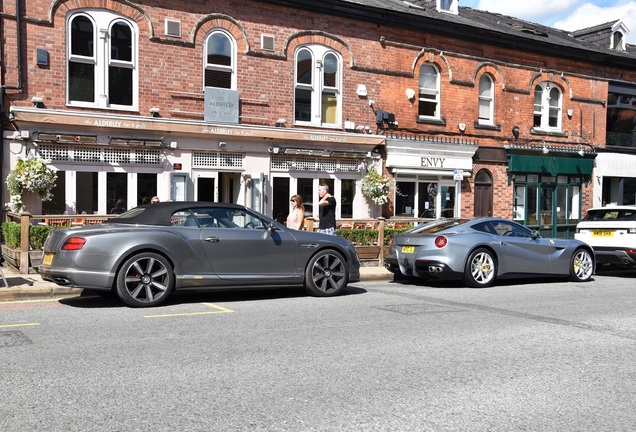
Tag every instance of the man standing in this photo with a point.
(327, 211)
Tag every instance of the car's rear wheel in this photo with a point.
(581, 266)
(145, 280)
(481, 269)
(327, 274)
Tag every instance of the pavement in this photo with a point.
(24, 287)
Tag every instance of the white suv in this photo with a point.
(611, 231)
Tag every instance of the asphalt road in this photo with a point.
(536, 356)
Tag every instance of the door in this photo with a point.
(238, 246)
(522, 252)
(483, 194)
(206, 186)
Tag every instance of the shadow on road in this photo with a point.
(100, 299)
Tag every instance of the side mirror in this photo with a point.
(536, 234)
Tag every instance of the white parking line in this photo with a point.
(219, 310)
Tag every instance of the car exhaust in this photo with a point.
(62, 281)
(434, 269)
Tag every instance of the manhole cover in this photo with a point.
(13, 338)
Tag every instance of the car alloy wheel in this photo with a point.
(581, 266)
(145, 280)
(326, 274)
(481, 269)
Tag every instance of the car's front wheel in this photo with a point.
(581, 266)
(481, 269)
(145, 280)
(326, 274)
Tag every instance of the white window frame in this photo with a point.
(103, 21)
(317, 86)
(449, 6)
(221, 68)
(432, 93)
(486, 98)
(546, 106)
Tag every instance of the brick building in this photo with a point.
(471, 113)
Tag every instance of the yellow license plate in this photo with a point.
(602, 233)
(48, 258)
(408, 249)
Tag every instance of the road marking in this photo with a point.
(220, 310)
(18, 325)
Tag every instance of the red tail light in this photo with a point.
(390, 241)
(441, 241)
(74, 243)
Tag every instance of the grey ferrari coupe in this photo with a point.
(478, 251)
(152, 250)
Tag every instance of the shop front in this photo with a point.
(428, 176)
(106, 159)
(549, 188)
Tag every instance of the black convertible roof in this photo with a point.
(161, 213)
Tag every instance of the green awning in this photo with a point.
(551, 165)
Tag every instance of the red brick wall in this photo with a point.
(170, 67)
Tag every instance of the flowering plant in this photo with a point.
(376, 186)
(33, 175)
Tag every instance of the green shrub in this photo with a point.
(12, 233)
(38, 235)
(366, 237)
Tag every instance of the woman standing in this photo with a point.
(296, 218)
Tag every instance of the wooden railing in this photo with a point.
(27, 219)
(379, 224)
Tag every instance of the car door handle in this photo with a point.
(212, 239)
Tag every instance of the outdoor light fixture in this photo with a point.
(280, 122)
(222, 143)
(154, 112)
(581, 152)
(545, 150)
(515, 132)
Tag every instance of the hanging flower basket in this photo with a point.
(376, 186)
(31, 174)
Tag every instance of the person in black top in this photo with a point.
(327, 211)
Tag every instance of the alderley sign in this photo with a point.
(221, 105)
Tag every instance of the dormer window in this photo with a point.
(618, 41)
(447, 6)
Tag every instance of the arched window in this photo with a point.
(318, 96)
(486, 100)
(220, 60)
(547, 107)
(102, 70)
(429, 92)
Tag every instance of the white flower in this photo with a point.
(30, 174)
(376, 186)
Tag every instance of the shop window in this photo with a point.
(102, 61)
(547, 107)
(429, 93)
(405, 200)
(57, 205)
(220, 60)
(317, 98)
(146, 187)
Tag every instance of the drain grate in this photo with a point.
(13, 338)
(419, 308)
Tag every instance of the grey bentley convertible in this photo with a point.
(149, 251)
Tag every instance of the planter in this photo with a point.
(13, 256)
(369, 255)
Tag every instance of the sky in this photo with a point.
(564, 14)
